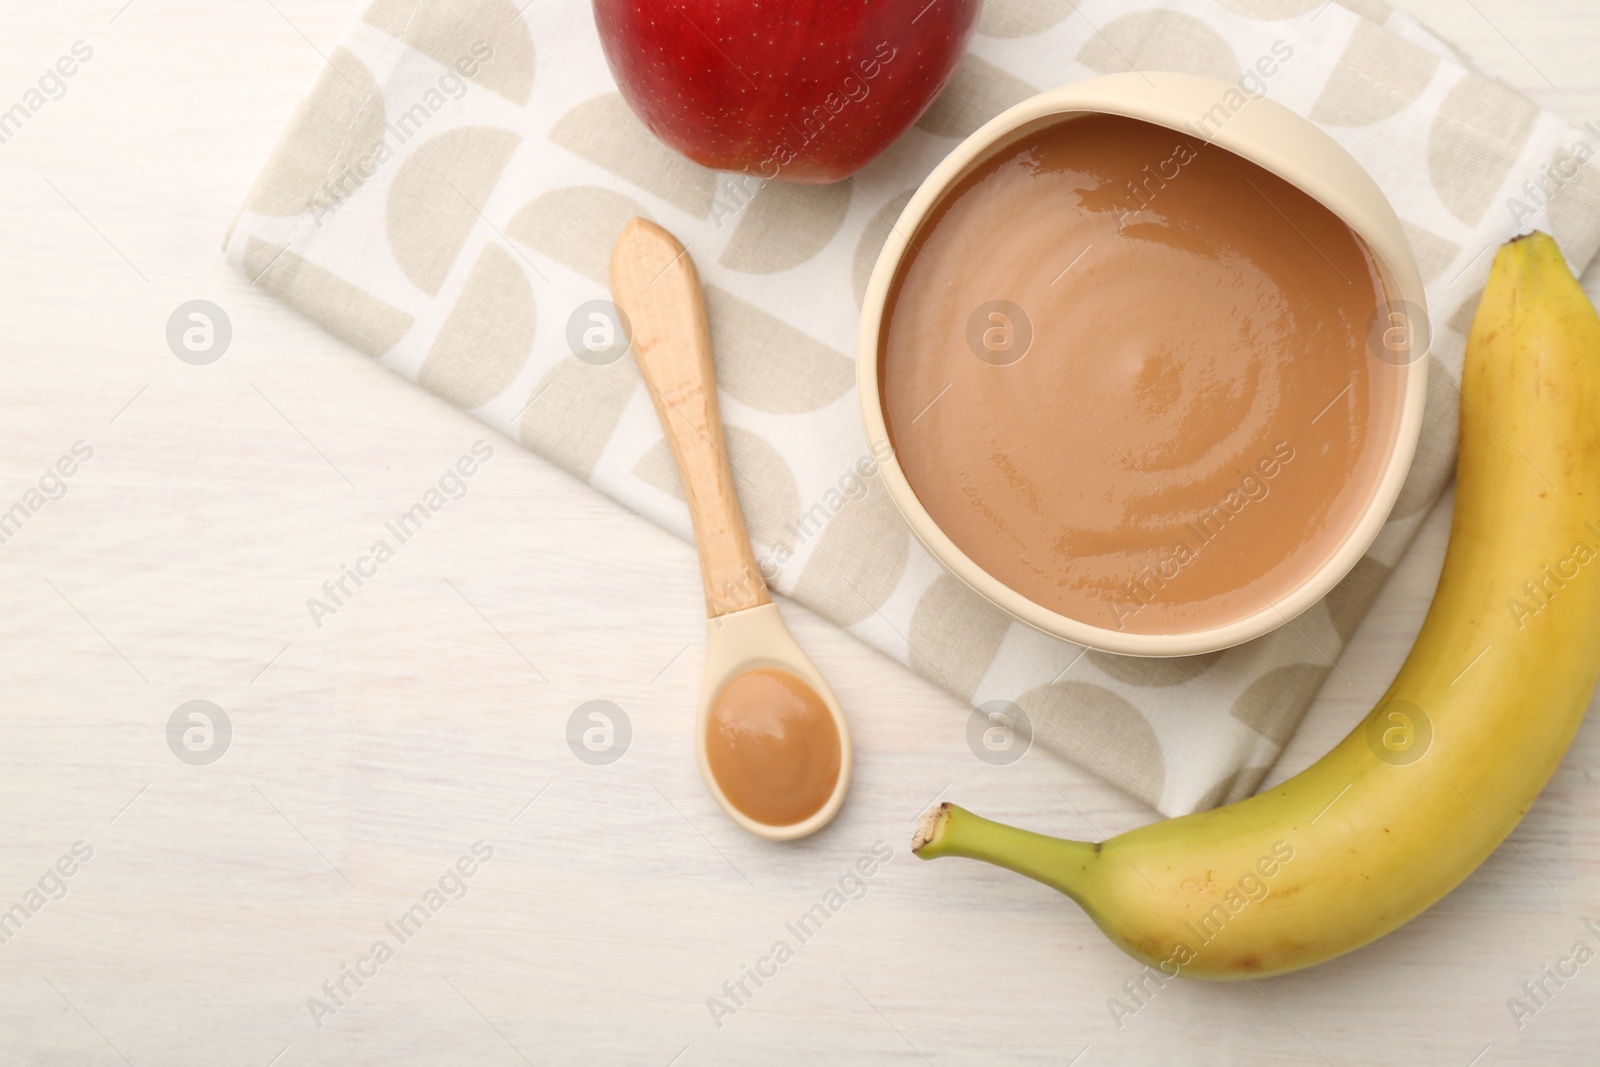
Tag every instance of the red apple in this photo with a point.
(797, 90)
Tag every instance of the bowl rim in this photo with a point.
(1280, 141)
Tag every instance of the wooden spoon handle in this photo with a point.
(654, 282)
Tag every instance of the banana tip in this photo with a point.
(928, 826)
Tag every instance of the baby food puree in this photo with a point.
(773, 747)
(1128, 374)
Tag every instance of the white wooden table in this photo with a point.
(431, 713)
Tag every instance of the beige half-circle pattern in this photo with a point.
(1434, 252)
(1101, 731)
(769, 496)
(1274, 703)
(955, 635)
(1022, 18)
(1379, 76)
(873, 235)
(447, 34)
(1435, 461)
(1349, 600)
(486, 338)
(1232, 788)
(1477, 135)
(573, 411)
(1161, 39)
(1247, 784)
(576, 225)
(784, 225)
(1460, 319)
(437, 195)
(976, 93)
(860, 557)
(1218, 793)
(336, 134)
(1272, 10)
(1376, 10)
(605, 131)
(1574, 204)
(1153, 673)
(765, 363)
(353, 315)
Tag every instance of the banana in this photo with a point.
(1458, 748)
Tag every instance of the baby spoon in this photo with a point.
(771, 740)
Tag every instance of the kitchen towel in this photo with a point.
(446, 197)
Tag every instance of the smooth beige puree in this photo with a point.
(773, 747)
(1129, 375)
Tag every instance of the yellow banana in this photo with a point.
(1456, 751)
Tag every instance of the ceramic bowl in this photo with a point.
(1276, 139)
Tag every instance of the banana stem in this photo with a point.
(950, 830)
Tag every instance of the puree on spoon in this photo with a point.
(773, 747)
(1127, 374)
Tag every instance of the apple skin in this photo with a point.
(805, 91)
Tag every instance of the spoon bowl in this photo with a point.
(654, 283)
(751, 640)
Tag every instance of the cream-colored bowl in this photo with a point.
(1269, 135)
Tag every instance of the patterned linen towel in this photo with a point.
(447, 195)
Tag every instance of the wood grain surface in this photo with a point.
(373, 747)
